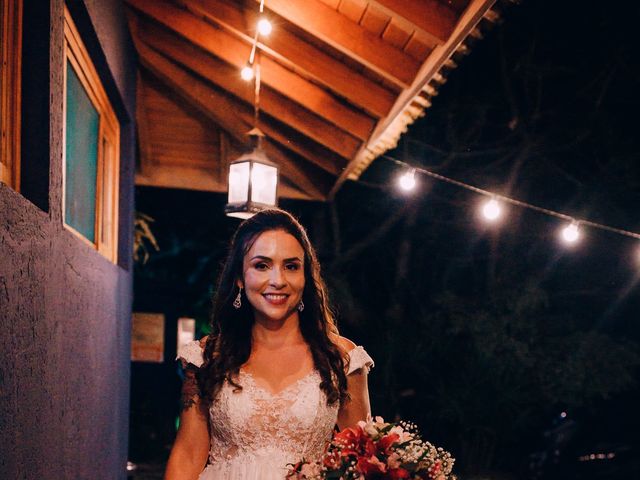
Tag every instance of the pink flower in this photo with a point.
(403, 435)
(393, 461)
(309, 470)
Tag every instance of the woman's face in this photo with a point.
(273, 271)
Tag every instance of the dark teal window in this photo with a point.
(81, 158)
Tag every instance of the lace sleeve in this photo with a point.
(359, 358)
(190, 353)
(190, 356)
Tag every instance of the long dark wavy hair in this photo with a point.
(229, 345)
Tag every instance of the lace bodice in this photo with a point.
(255, 433)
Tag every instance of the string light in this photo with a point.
(571, 233)
(492, 210)
(264, 26)
(407, 181)
(247, 73)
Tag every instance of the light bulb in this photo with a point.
(247, 72)
(408, 180)
(264, 27)
(491, 210)
(570, 233)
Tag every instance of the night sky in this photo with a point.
(542, 110)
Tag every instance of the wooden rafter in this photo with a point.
(348, 37)
(439, 22)
(299, 55)
(142, 122)
(235, 52)
(290, 140)
(271, 103)
(156, 99)
(410, 103)
(225, 113)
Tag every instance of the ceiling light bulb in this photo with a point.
(491, 210)
(264, 26)
(570, 233)
(247, 72)
(408, 180)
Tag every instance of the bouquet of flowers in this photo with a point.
(378, 450)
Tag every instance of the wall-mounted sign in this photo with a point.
(147, 337)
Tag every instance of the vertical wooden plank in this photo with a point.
(10, 91)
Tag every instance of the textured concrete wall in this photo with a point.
(64, 309)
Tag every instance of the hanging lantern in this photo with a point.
(253, 181)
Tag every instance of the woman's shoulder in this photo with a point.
(191, 352)
(343, 343)
(357, 356)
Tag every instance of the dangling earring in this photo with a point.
(237, 303)
(301, 306)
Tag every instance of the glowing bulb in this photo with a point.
(570, 233)
(264, 27)
(247, 72)
(408, 180)
(491, 210)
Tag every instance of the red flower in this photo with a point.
(435, 471)
(332, 460)
(371, 467)
(353, 441)
(396, 473)
(385, 443)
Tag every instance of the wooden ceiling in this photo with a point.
(341, 80)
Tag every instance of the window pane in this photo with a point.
(238, 182)
(264, 182)
(81, 158)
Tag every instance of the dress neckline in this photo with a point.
(252, 378)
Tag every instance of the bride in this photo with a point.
(267, 387)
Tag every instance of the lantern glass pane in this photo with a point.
(238, 182)
(264, 183)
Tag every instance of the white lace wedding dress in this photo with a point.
(256, 433)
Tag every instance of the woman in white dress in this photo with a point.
(269, 384)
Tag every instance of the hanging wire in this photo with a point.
(254, 44)
(513, 201)
(256, 98)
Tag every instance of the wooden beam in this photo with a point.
(291, 140)
(190, 178)
(430, 16)
(348, 37)
(236, 52)
(389, 129)
(142, 122)
(299, 55)
(272, 103)
(225, 113)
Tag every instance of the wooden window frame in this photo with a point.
(10, 91)
(108, 161)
